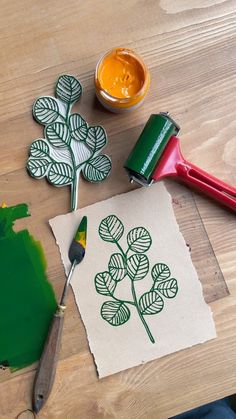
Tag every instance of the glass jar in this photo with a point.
(122, 80)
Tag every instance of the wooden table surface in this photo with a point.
(190, 48)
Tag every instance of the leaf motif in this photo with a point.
(96, 138)
(76, 121)
(151, 303)
(45, 110)
(104, 284)
(38, 167)
(139, 240)
(111, 229)
(167, 288)
(97, 169)
(39, 148)
(116, 267)
(60, 174)
(160, 271)
(137, 266)
(115, 313)
(80, 134)
(58, 134)
(68, 88)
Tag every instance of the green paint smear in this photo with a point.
(27, 301)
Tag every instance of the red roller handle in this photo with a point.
(212, 186)
(172, 163)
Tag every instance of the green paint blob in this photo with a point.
(27, 299)
(81, 233)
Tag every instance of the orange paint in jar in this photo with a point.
(121, 80)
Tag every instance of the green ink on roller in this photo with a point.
(27, 298)
(149, 147)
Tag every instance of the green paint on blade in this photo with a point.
(80, 236)
(78, 245)
(27, 298)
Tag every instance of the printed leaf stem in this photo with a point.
(135, 268)
(139, 313)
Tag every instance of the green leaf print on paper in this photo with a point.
(115, 312)
(117, 266)
(70, 146)
(132, 264)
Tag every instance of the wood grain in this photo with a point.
(45, 375)
(203, 257)
(190, 48)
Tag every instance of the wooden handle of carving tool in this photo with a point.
(48, 362)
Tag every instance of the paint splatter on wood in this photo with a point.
(28, 301)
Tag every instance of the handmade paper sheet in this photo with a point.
(137, 290)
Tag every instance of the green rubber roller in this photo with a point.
(149, 148)
(157, 155)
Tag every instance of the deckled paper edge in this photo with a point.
(194, 268)
(66, 269)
